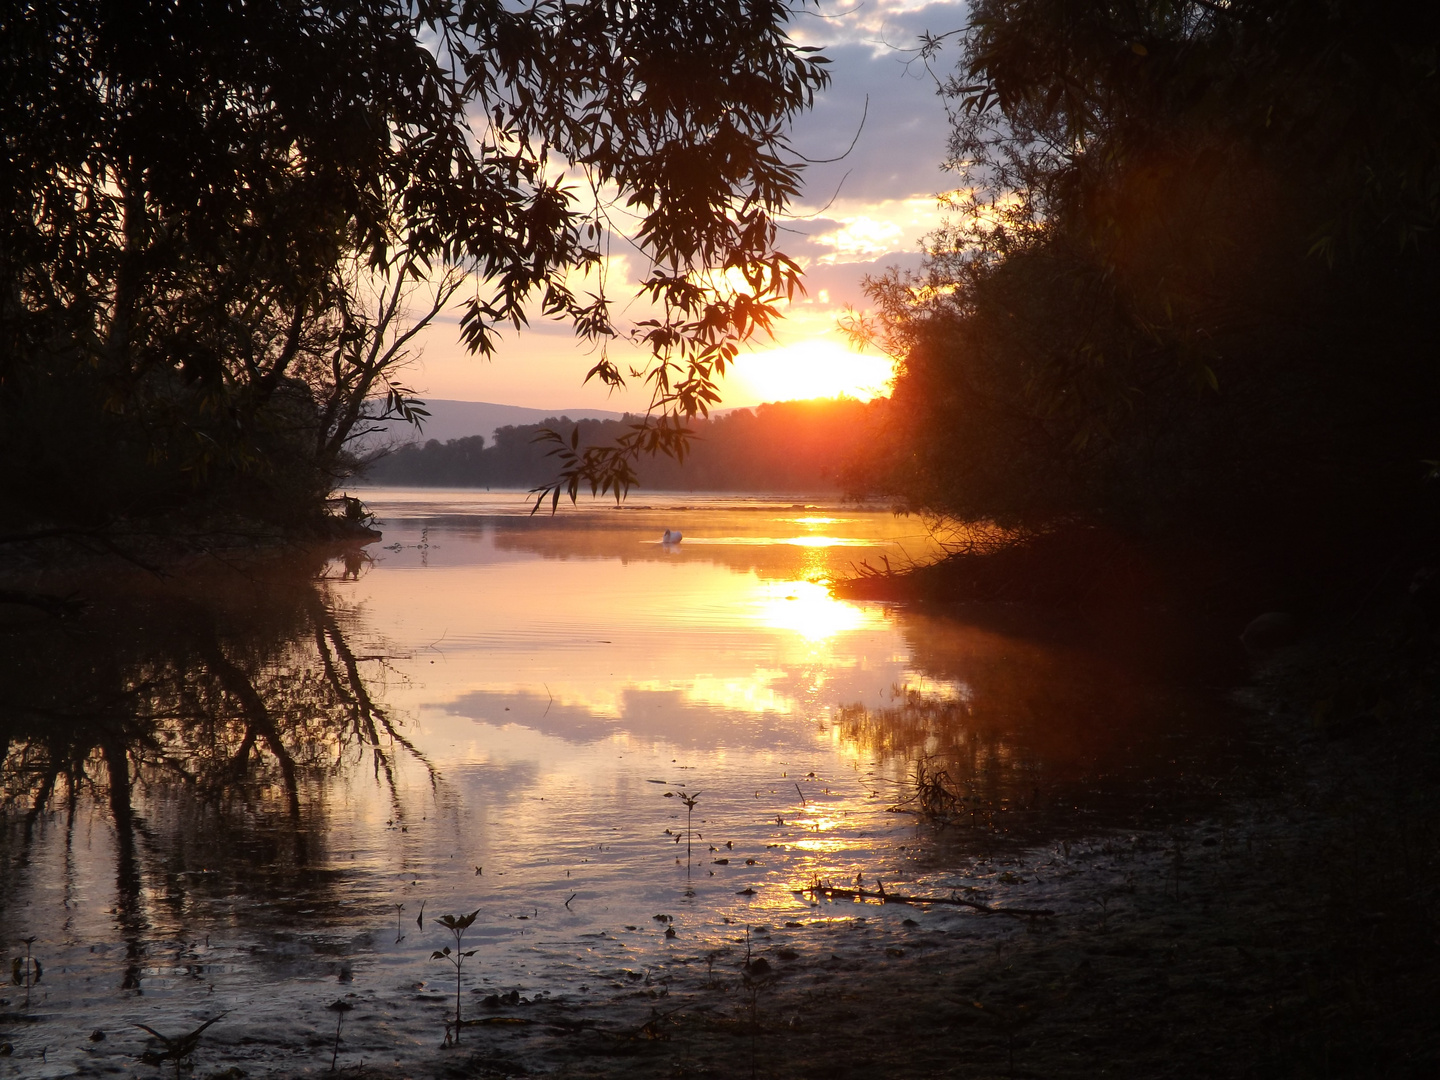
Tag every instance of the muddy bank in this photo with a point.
(1292, 932)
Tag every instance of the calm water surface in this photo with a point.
(257, 792)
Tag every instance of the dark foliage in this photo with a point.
(1186, 290)
(222, 222)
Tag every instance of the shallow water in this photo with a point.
(256, 794)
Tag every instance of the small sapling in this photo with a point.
(339, 1007)
(457, 925)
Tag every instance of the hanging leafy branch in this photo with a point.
(207, 256)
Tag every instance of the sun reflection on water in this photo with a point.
(808, 609)
(808, 541)
(824, 541)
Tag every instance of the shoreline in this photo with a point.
(1272, 936)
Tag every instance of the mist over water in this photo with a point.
(258, 792)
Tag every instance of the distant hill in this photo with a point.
(461, 419)
(784, 446)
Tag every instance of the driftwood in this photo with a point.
(835, 893)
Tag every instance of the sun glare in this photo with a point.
(808, 609)
(816, 368)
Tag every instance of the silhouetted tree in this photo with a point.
(205, 718)
(222, 222)
(1186, 286)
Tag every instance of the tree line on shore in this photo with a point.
(781, 446)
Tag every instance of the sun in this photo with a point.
(816, 368)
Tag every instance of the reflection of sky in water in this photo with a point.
(616, 669)
(563, 674)
(622, 645)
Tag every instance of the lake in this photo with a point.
(255, 791)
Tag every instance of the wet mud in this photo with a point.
(1289, 933)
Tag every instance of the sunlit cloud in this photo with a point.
(799, 617)
(886, 26)
(746, 695)
(861, 238)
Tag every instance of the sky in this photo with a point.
(856, 217)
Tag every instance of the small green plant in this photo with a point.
(1009, 1023)
(457, 925)
(755, 975)
(339, 1007)
(1104, 902)
(1178, 852)
(689, 801)
(710, 959)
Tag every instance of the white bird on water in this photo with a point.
(672, 536)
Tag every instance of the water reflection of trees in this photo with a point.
(1031, 734)
(204, 719)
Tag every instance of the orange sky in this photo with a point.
(856, 217)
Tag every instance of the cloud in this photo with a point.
(895, 120)
(714, 716)
(860, 238)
